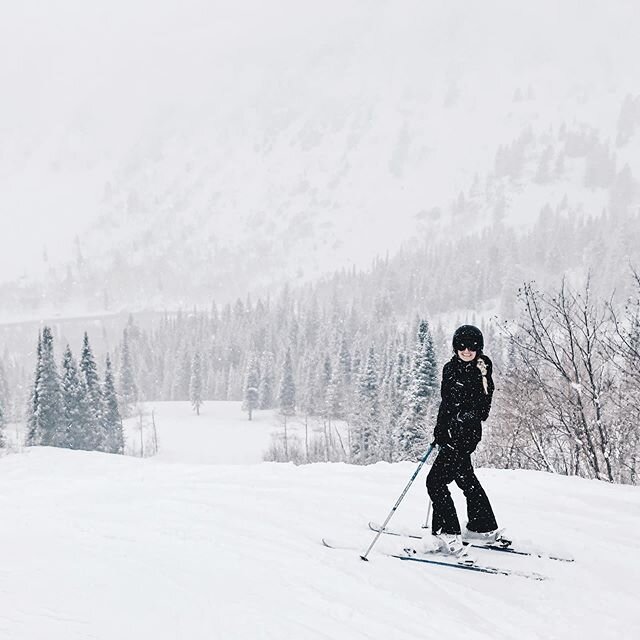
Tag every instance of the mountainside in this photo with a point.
(200, 149)
(110, 546)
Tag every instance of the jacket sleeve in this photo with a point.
(441, 435)
(448, 409)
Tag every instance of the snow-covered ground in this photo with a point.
(221, 434)
(100, 546)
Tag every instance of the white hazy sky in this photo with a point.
(85, 85)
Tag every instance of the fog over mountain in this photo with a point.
(163, 153)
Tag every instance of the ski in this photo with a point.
(493, 547)
(411, 555)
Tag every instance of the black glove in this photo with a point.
(441, 434)
(443, 444)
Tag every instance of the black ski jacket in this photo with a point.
(465, 403)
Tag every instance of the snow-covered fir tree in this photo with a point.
(287, 394)
(334, 397)
(112, 420)
(366, 421)
(326, 375)
(89, 374)
(34, 433)
(419, 395)
(390, 412)
(251, 384)
(267, 380)
(45, 420)
(128, 387)
(79, 431)
(306, 400)
(183, 377)
(195, 384)
(345, 370)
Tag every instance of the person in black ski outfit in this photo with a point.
(467, 389)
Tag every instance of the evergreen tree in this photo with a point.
(306, 399)
(402, 373)
(344, 362)
(390, 411)
(183, 378)
(89, 374)
(333, 400)
(78, 431)
(420, 394)
(128, 388)
(267, 381)
(294, 334)
(34, 428)
(251, 384)
(46, 421)
(112, 419)
(195, 385)
(312, 323)
(367, 412)
(287, 395)
(326, 376)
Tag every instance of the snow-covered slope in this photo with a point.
(224, 144)
(221, 434)
(99, 546)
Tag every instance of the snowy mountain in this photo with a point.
(199, 149)
(108, 546)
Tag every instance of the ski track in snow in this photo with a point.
(100, 546)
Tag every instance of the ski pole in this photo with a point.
(426, 522)
(397, 504)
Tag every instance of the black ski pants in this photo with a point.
(450, 466)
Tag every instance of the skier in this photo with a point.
(467, 389)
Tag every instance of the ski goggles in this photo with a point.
(461, 345)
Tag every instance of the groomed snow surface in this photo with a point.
(183, 545)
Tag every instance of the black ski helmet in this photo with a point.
(468, 336)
